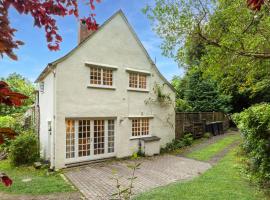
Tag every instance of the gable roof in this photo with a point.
(53, 64)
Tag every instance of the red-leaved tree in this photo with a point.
(9, 97)
(256, 4)
(43, 13)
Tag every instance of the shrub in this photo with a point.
(7, 122)
(187, 140)
(254, 124)
(13, 122)
(24, 149)
(207, 135)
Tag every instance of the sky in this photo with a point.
(34, 54)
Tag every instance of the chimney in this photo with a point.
(83, 32)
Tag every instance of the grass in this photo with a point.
(211, 150)
(41, 182)
(222, 182)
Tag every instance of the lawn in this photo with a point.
(222, 182)
(211, 150)
(40, 183)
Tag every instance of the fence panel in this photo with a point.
(193, 122)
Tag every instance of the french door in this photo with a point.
(89, 139)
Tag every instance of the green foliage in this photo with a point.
(187, 140)
(7, 122)
(227, 40)
(13, 122)
(207, 135)
(182, 106)
(199, 94)
(161, 96)
(24, 149)
(254, 124)
(18, 84)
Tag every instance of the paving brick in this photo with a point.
(95, 181)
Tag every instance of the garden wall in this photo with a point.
(194, 122)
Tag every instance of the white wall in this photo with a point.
(46, 113)
(114, 44)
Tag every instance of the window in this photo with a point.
(70, 139)
(101, 76)
(41, 87)
(110, 136)
(84, 138)
(140, 127)
(137, 80)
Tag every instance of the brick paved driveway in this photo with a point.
(95, 180)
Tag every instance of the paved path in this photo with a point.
(95, 181)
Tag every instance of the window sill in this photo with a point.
(101, 87)
(139, 137)
(138, 90)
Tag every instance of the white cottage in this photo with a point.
(105, 98)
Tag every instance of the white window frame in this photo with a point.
(149, 127)
(92, 156)
(101, 67)
(138, 73)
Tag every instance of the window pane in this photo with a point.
(110, 136)
(136, 127)
(107, 77)
(95, 76)
(133, 80)
(142, 81)
(99, 137)
(144, 126)
(84, 138)
(70, 139)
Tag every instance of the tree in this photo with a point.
(8, 97)
(16, 85)
(229, 40)
(43, 13)
(202, 94)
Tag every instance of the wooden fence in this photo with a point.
(194, 122)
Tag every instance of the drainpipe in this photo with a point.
(54, 116)
(53, 137)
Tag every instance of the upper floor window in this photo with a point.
(140, 127)
(101, 76)
(137, 80)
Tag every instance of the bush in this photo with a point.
(7, 122)
(207, 135)
(24, 149)
(254, 124)
(13, 122)
(187, 140)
